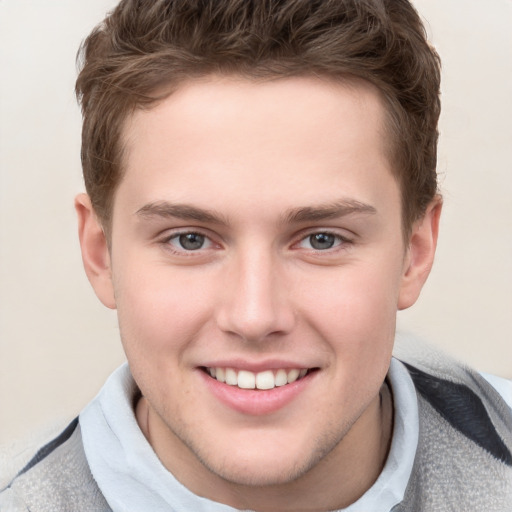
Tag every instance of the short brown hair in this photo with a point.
(149, 46)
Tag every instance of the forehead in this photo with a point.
(273, 143)
(209, 101)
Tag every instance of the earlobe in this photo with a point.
(95, 252)
(420, 254)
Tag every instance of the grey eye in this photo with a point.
(322, 241)
(191, 241)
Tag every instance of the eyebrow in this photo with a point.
(334, 210)
(164, 209)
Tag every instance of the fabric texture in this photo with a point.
(463, 460)
(59, 482)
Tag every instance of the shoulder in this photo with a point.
(464, 455)
(463, 396)
(57, 478)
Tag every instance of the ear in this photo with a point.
(420, 254)
(95, 253)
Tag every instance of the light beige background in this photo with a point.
(58, 344)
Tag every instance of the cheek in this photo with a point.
(356, 310)
(159, 309)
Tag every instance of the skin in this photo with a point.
(261, 167)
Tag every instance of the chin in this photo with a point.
(260, 474)
(264, 466)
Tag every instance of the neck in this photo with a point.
(337, 481)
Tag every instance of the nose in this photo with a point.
(255, 302)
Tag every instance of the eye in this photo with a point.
(189, 241)
(322, 241)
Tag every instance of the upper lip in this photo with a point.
(257, 366)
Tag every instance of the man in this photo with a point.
(261, 200)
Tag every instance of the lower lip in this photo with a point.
(256, 402)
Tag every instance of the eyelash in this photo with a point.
(341, 242)
(176, 236)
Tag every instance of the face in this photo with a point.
(256, 238)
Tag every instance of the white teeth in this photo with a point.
(265, 380)
(293, 375)
(231, 377)
(220, 374)
(246, 380)
(281, 378)
(268, 379)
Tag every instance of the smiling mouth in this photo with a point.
(265, 380)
